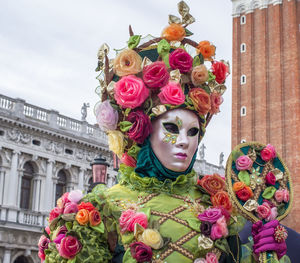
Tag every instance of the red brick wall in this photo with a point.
(271, 95)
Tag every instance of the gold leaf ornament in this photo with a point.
(250, 205)
(174, 19)
(103, 50)
(111, 88)
(175, 75)
(146, 62)
(184, 11)
(159, 109)
(138, 231)
(205, 242)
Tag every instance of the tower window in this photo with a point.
(243, 79)
(243, 20)
(243, 47)
(243, 111)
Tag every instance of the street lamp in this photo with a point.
(99, 168)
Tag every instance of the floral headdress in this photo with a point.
(147, 79)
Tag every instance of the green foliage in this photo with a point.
(134, 41)
(125, 126)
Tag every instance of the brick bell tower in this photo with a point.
(266, 82)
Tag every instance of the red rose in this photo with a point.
(270, 178)
(245, 193)
(141, 126)
(220, 70)
(141, 252)
(156, 75)
(268, 153)
(87, 206)
(94, 218)
(221, 199)
(180, 59)
(55, 212)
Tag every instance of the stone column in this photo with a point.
(13, 181)
(7, 254)
(81, 179)
(47, 188)
(54, 182)
(2, 186)
(36, 193)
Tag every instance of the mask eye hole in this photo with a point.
(193, 131)
(171, 127)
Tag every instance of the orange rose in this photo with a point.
(200, 99)
(221, 199)
(199, 75)
(212, 183)
(238, 186)
(94, 218)
(173, 32)
(82, 217)
(128, 62)
(206, 49)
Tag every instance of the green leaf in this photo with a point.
(222, 244)
(127, 257)
(236, 154)
(72, 260)
(188, 32)
(165, 59)
(281, 209)
(69, 225)
(127, 238)
(134, 41)
(207, 89)
(125, 126)
(99, 228)
(236, 226)
(127, 111)
(54, 222)
(269, 192)
(194, 223)
(211, 76)
(244, 177)
(196, 61)
(163, 47)
(201, 59)
(147, 211)
(133, 151)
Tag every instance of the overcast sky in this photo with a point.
(48, 50)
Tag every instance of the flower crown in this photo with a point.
(147, 79)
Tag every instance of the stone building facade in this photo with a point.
(266, 81)
(42, 155)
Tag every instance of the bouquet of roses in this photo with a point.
(75, 231)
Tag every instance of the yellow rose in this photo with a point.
(152, 238)
(116, 142)
(128, 62)
(59, 203)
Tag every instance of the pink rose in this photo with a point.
(125, 219)
(139, 218)
(211, 258)
(55, 212)
(156, 75)
(268, 153)
(47, 229)
(43, 243)
(216, 100)
(220, 70)
(282, 195)
(270, 178)
(216, 232)
(141, 126)
(221, 222)
(59, 238)
(42, 255)
(172, 93)
(263, 210)
(107, 117)
(180, 59)
(130, 92)
(243, 163)
(128, 160)
(62, 231)
(75, 196)
(211, 215)
(70, 207)
(69, 247)
(273, 214)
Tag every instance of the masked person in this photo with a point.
(155, 104)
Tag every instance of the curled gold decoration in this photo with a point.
(138, 231)
(205, 242)
(111, 88)
(146, 62)
(174, 19)
(250, 205)
(103, 50)
(252, 154)
(278, 174)
(159, 109)
(175, 75)
(219, 88)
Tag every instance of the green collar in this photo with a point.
(128, 177)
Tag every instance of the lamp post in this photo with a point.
(99, 169)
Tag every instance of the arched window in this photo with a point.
(243, 47)
(21, 259)
(243, 111)
(26, 186)
(91, 185)
(61, 184)
(243, 19)
(243, 79)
